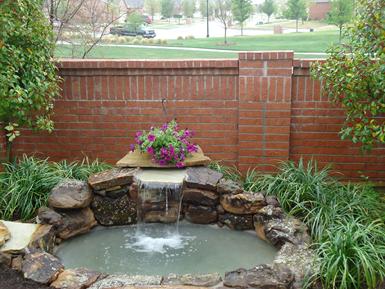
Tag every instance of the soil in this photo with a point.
(11, 279)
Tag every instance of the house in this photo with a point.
(318, 9)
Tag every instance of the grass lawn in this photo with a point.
(144, 53)
(299, 42)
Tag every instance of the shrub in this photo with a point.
(180, 38)
(26, 183)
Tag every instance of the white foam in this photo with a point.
(167, 176)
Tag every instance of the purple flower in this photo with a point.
(164, 126)
(162, 162)
(187, 133)
(179, 164)
(151, 137)
(192, 148)
(138, 133)
(132, 147)
(150, 150)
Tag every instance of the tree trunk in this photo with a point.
(340, 34)
(268, 18)
(296, 25)
(242, 29)
(225, 35)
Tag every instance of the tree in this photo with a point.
(28, 78)
(223, 14)
(296, 9)
(341, 13)
(188, 7)
(203, 8)
(134, 20)
(167, 8)
(152, 7)
(242, 10)
(353, 75)
(268, 7)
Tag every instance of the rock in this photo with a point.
(41, 267)
(5, 234)
(272, 201)
(133, 191)
(270, 212)
(76, 222)
(200, 197)
(280, 231)
(226, 186)
(236, 278)
(260, 230)
(300, 260)
(43, 238)
(118, 281)
(114, 192)
(202, 178)
(17, 263)
(5, 259)
(243, 204)
(70, 194)
(261, 277)
(201, 214)
(205, 280)
(237, 222)
(76, 279)
(49, 216)
(161, 216)
(266, 277)
(110, 212)
(112, 178)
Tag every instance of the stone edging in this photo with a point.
(110, 199)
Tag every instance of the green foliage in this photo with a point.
(352, 255)
(188, 7)
(346, 221)
(230, 173)
(28, 78)
(223, 14)
(25, 184)
(203, 8)
(242, 10)
(354, 75)
(152, 6)
(167, 8)
(341, 13)
(296, 9)
(268, 7)
(134, 20)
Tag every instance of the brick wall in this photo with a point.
(251, 112)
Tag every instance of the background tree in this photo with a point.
(152, 7)
(354, 75)
(242, 10)
(188, 7)
(28, 78)
(223, 14)
(203, 8)
(268, 7)
(134, 20)
(296, 9)
(341, 13)
(167, 8)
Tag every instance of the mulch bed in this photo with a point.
(11, 279)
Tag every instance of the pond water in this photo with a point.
(160, 249)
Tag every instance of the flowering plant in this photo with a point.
(166, 145)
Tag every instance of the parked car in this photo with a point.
(124, 31)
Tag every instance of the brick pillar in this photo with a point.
(264, 109)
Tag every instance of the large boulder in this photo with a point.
(201, 214)
(200, 197)
(43, 238)
(204, 280)
(237, 222)
(49, 216)
(110, 212)
(76, 222)
(243, 204)
(41, 267)
(227, 186)
(5, 234)
(202, 178)
(70, 194)
(112, 178)
(76, 279)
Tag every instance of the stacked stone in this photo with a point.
(115, 197)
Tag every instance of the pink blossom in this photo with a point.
(151, 137)
(179, 164)
(150, 150)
